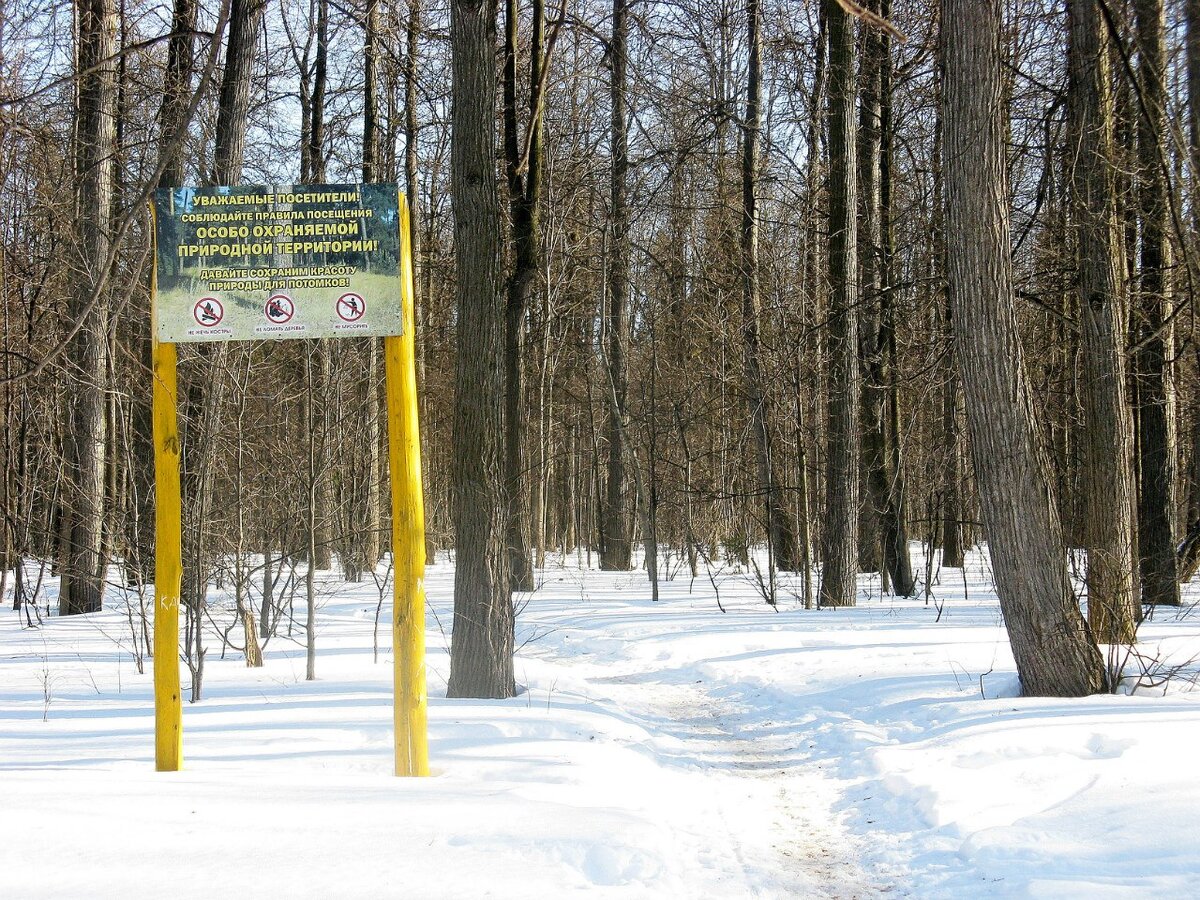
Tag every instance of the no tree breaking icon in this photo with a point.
(351, 307)
(280, 309)
(208, 311)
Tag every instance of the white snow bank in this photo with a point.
(658, 750)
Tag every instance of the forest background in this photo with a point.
(695, 276)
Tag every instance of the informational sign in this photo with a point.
(299, 261)
(292, 262)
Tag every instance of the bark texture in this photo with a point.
(1152, 331)
(83, 589)
(781, 531)
(615, 519)
(1108, 440)
(839, 548)
(482, 646)
(1054, 654)
(523, 171)
(245, 23)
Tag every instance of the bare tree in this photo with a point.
(83, 583)
(615, 518)
(781, 531)
(1108, 492)
(482, 645)
(1055, 656)
(523, 170)
(839, 547)
(1152, 329)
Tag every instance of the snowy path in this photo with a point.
(818, 855)
(678, 670)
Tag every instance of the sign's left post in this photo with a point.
(168, 556)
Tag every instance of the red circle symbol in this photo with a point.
(351, 307)
(280, 309)
(208, 312)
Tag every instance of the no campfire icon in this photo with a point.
(280, 309)
(208, 311)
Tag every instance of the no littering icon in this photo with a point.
(351, 307)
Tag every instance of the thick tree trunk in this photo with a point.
(615, 516)
(370, 135)
(362, 540)
(839, 548)
(1152, 332)
(1108, 474)
(321, 541)
(1054, 654)
(482, 646)
(86, 565)
(245, 22)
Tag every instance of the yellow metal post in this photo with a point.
(408, 527)
(168, 561)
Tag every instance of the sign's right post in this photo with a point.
(408, 527)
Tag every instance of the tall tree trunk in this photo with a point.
(1190, 552)
(1152, 376)
(481, 650)
(839, 547)
(1054, 654)
(370, 135)
(233, 109)
(873, 502)
(781, 531)
(1108, 494)
(543, 477)
(524, 184)
(814, 285)
(952, 526)
(897, 562)
(320, 84)
(85, 575)
(615, 516)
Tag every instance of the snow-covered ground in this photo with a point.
(657, 750)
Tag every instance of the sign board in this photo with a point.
(297, 261)
(290, 262)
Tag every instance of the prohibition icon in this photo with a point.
(351, 307)
(208, 311)
(280, 309)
